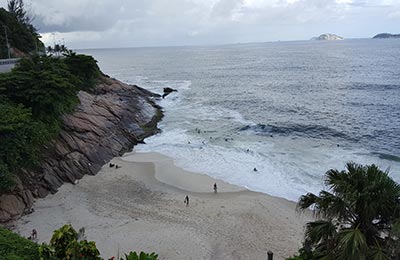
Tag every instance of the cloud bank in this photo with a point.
(126, 23)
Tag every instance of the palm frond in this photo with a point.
(377, 253)
(320, 232)
(352, 244)
(306, 201)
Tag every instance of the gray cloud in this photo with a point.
(113, 23)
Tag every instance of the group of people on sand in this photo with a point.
(112, 165)
(186, 201)
(33, 235)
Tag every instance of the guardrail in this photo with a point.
(8, 61)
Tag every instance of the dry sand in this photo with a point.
(141, 207)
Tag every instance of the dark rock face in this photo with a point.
(386, 35)
(168, 91)
(105, 124)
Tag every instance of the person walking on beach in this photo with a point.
(215, 188)
(186, 201)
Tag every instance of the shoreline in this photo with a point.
(140, 207)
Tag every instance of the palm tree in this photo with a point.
(49, 49)
(358, 219)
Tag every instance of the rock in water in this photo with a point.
(168, 91)
(328, 37)
(386, 36)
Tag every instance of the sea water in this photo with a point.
(292, 110)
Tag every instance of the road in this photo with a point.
(7, 64)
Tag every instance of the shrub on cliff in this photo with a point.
(45, 85)
(360, 216)
(21, 138)
(14, 247)
(85, 68)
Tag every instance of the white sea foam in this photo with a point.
(271, 91)
(281, 171)
(286, 167)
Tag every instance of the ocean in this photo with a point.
(292, 110)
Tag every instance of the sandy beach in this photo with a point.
(140, 207)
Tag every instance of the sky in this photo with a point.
(137, 23)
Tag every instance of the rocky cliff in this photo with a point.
(105, 124)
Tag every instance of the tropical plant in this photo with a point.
(65, 244)
(359, 218)
(46, 252)
(62, 240)
(141, 256)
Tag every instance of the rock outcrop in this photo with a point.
(328, 37)
(105, 124)
(168, 91)
(386, 36)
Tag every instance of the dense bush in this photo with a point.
(21, 137)
(14, 247)
(84, 67)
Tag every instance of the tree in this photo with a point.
(21, 34)
(57, 49)
(17, 8)
(49, 49)
(359, 218)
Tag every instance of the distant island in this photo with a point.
(328, 37)
(386, 36)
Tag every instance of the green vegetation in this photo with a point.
(85, 68)
(35, 94)
(14, 247)
(32, 99)
(359, 218)
(21, 34)
(65, 244)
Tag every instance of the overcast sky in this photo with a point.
(131, 23)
